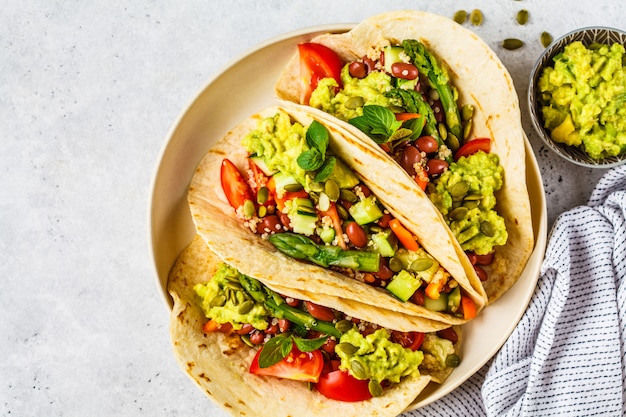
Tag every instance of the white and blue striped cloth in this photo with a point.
(566, 356)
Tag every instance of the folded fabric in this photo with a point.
(566, 355)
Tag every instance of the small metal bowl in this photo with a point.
(587, 36)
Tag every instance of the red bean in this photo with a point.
(449, 334)
(384, 273)
(284, 325)
(410, 156)
(245, 329)
(482, 274)
(329, 346)
(384, 221)
(272, 329)
(356, 234)
(257, 337)
(484, 259)
(436, 166)
(472, 257)
(366, 191)
(404, 70)
(269, 224)
(418, 297)
(320, 312)
(358, 69)
(427, 144)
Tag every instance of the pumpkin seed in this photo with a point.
(233, 285)
(318, 187)
(343, 213)
(323, 202)
(476, 17)
(460, 16)
(471, 204)
(467, 129)
(358, 370)
(512, 44)
(248, 209)
(375, 388)
(443, 132)
(453, 142)
(332, 190)
(346, 348)
(262, 211)
(459, 189)
(262, 195)
(421, 264)
(246, 339)
(522, 17)
(245, 307)
(354, 102)
(474, 197)
(487, 229)
(467, 111)
(546, 39)
(344, 325)
(217, 301)
(459, 213)
(453, 360)
(292, 188)
(395, 265)
(348, 196)
(306, 210)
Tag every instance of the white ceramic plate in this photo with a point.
(246, 86)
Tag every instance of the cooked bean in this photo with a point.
(384, 221)
(436, 166)
(404, 70)
(449, 334)
(358, 69)
(410, 156)
(272, 329)
(356, 234)
(269, 224)
(427, 144)
(484, 259)
(482, 274)
(319, 312)
(257, 337)
(284, 325)
(384, 272)
(329, 346)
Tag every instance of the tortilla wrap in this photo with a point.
(482, 81)
(218, 363)
(228, 237)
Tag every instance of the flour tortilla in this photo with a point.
(218, 363)
(482, 81)
(226, 235)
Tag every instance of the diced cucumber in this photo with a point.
(365, 211)
(303, 216)
(440, 304)
(454, 300)
(415, 262)
(403, 285)
(282, 180)
(384, 243)
(406, 84)
(327, 234)
(392, 55)
(259, 161)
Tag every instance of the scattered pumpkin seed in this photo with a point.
(467, 111)
(443, 132)
(347, 348)
(522, 17)
(218, 301)
(512, 44)
(246, 339)
(293, 188)
(395, 265)
(354, 102)
(317, 187)
(323, 202)
(348, 196)
(344, 325)
(453, 360)
(471, 204)
(460, 16)
(358, 370)
(487, 229)
(452, 142)
(375, 388)
(459, 213)
(245, 307)
(262, 195)
(343, 213)
(248, 209)
(262, 211)
(476, 17)
(459, 189)
(475, 197)
(332, 190)
(419, 265)
(546, 39)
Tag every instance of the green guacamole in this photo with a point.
(356, 93)
(227, 312)
(377, 358)
(583, 98)
(465, 195)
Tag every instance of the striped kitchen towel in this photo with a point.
(566, 355)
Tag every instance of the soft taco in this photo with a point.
(313, 213)
(432, 96)
(254, 352)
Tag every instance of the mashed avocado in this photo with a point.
(436, 352)
(584, 98)
(218, 306)
(465, 195)
(279, 142)
(348, 103)
(377, 358)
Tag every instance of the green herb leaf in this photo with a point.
(275, 350)
(326, 170)
(310, 160)
(317, 137)
(378, 122)
(309, 345)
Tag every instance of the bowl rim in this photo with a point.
(560, 149)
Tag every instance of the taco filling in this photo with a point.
(311, 206)
(401, 97)
(344, 358)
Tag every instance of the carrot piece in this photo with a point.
(404, 236)
(421, 178)
(469, 308)
(433, 289)
(407, 116)
(334, 215)
(213, 326)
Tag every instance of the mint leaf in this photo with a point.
(275, 350)
(309, 345)
(377, 122)
(317, 137)
(327, 169)
(310, 160)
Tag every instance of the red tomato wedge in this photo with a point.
(297, 365)
(411, 340)
(341, 386)
(473, 146)
(235, 187)
(316, 62)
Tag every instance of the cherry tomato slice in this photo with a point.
(235, 187)
(341, 386)
(297, 365)
(316, 62)
(411, 340)
(473, 146)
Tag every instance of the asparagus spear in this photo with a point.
(279, 309)
(438, 78)
(301, 247)
(413, 102)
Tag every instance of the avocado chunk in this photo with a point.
(343, 176)
(404, 285)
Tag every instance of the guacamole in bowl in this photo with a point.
(577, 97)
